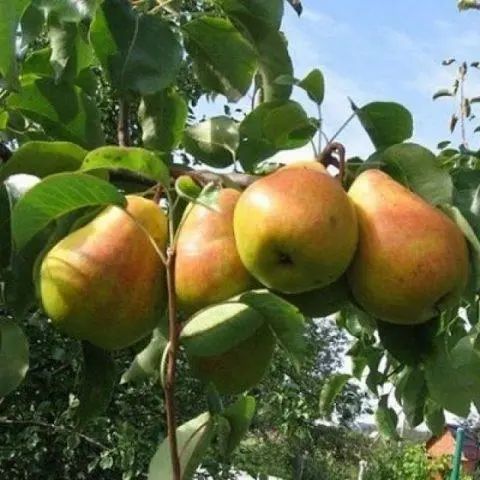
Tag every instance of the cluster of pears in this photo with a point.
(295, 231)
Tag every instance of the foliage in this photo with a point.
(61, 65)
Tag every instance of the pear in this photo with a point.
(105, 282)
(412, 259)
(295, 230)
(208, 268)
(306, 164)
(241, 367)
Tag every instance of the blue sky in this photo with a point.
(383, 50)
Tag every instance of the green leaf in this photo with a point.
(330, 390)
(187, 188)
(434, 417)
(213, 141)
(218, 329)
(64, 111)
(31, 24)
(408, 344)
(285, 320)
(414, 395)
(43, 158)
(140, 53)
(193, 439)
(56, 196)
(162, 117)
(70, 53)
(386, 123)
(239, 416)
(68, 10)
(465, 226)
(146, 363)
(224, 60)
(443, 92)
(444, 382)
(417, 168)
(256, 16)
(274, 61)
(136, 159)
(13, 356)
(10, 13)
(386, 419)
(272, 127)
(98, 383)
(314, 85)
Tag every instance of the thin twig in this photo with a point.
(123, 136)
(343, 126)
(463, 112)
(319, 111)
(59, 428)
(173, 334)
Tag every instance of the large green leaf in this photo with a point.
(239, 416)
(271, 127)
(386, 123)
(162, 117)
(417, 168)
(314, 85)
(213, 141)
(56, 196)
(64, 111)
(13, 356)
(70, 53)
(285, 320)
(147, 362)
(273, 62)
(330, 390)
(444, 382)
(31, 24)
(414, 395)
(98, 381)
(140, 53)
(224, 60)
(218, 329)
(68, 10)
(43, 159)
(10, 13)
(193, 439)
(136, 159)
(256, 16)
(434, 417)
(386, 419)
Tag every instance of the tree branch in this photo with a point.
(123, 136)
(51, 426)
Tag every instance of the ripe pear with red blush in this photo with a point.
(208, 268)
(412, 259)
(105, 282)
(296, 229)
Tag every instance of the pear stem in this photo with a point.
(173, 340)
(326, 158)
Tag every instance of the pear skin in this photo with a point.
(412, 260)
(296, 230)
(306, 164)
(208, 268)
(105, 282)
(242, 367)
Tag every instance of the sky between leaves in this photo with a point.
(381, 50)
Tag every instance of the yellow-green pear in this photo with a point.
(239, 369)
(105, 282)
(208, 269)
(296, 229)
(412, 259)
